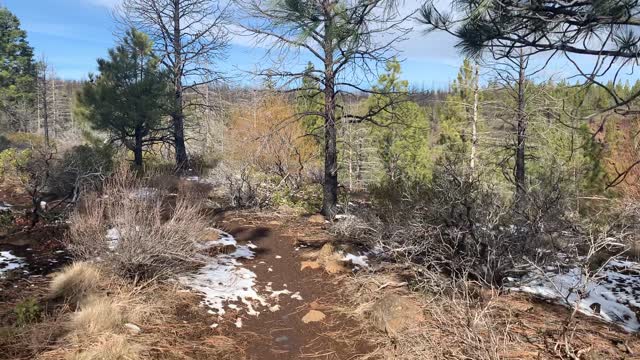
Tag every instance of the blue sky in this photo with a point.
(72, 34)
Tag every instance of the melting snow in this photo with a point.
(113, 237)
(357, 260)
(224, 280)
(613, 296)
(9, 262)
(145, 193)
(225, 283)
(224, 240)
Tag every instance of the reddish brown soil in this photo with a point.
(282, 334)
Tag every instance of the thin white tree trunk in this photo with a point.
(474, 121)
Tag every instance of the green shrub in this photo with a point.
(11, 160)
(27, 312)
(306, 198)
(6, 219)
(21, 140)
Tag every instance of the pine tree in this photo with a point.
(401, 130)
(130, 96)
(310, 100)
(17, 69)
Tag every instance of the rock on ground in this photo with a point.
(395, 313)
(313, 316)
(317, 219)
(330, 259)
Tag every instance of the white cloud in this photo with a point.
(105, 3)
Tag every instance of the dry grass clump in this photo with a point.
(150, 234)
(110, 347)
(75, 282)
(97, 315)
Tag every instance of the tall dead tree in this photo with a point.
(43, 97)
(474, 117)
(189, 36)
(342, 36)
(513, 77)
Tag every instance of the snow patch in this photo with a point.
(360, 260)
(226, 284)
(113, 237)
(145, 193)
(223, 280)
(613, 296)
(224, 240)
(9, 262)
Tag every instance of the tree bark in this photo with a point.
(521, 128)
(474, 120)
(330, 186)
(137, 148)
(177, 116)
(45, 105)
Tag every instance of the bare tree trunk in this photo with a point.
(521, 125)
(38, 98)
(45, 105)
(137, 149)
(178, 113)
(54, 104)
(330, 186)
(474, 121)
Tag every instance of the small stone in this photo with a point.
(313, 316)
(326, 252)
(394, 313)
(316, 219)
(333, 266)
(133, 329)
(309, 264)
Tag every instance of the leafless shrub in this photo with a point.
(132, 229)
(464, 225)
(243, 188)
(597, 249)
(458, 314)
(81, 169)
(194, 189)
(354, 227)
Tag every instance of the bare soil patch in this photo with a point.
(283, 334)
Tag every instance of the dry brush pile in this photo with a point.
(138, 231)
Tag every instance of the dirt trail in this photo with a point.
(283, 334)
